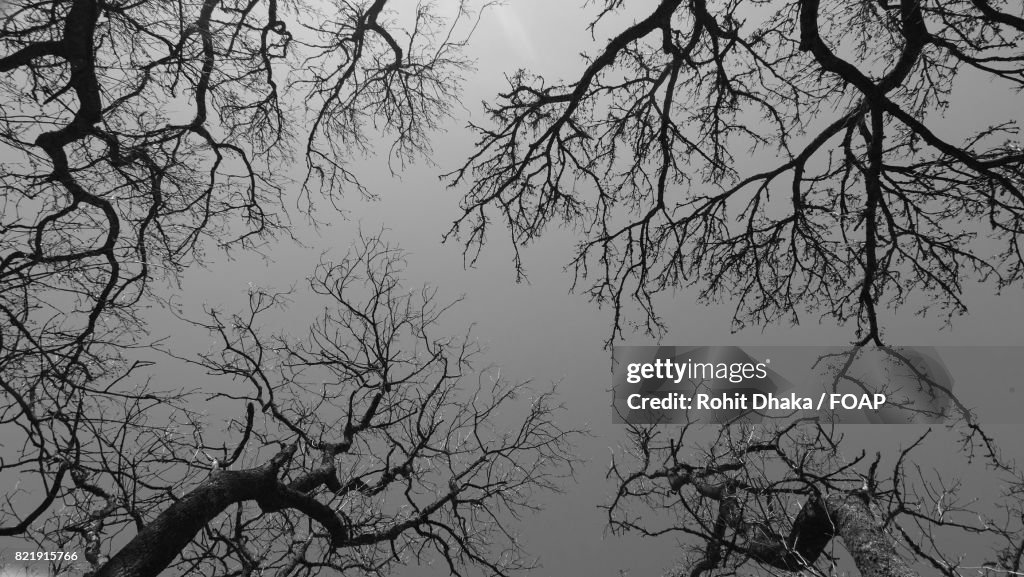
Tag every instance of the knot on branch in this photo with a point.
(678, 478)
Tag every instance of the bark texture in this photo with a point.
(160, 541)
(163, 539)
(857, 522)
(852, 517)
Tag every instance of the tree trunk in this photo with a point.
(158, 543)
(858, 523)
(163, 539)
(850, 516)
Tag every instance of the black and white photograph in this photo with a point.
(498, 288)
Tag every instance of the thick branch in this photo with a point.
(852, 517)
(160, 541)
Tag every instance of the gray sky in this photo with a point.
(538, 331)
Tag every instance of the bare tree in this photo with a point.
(654, 153)
(368, 442)
(779, 496)
(134, 131)
(791, 157)
(138, 135)
(772, 500)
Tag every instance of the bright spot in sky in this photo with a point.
(517, 37)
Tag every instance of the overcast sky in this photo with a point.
(537, 330)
